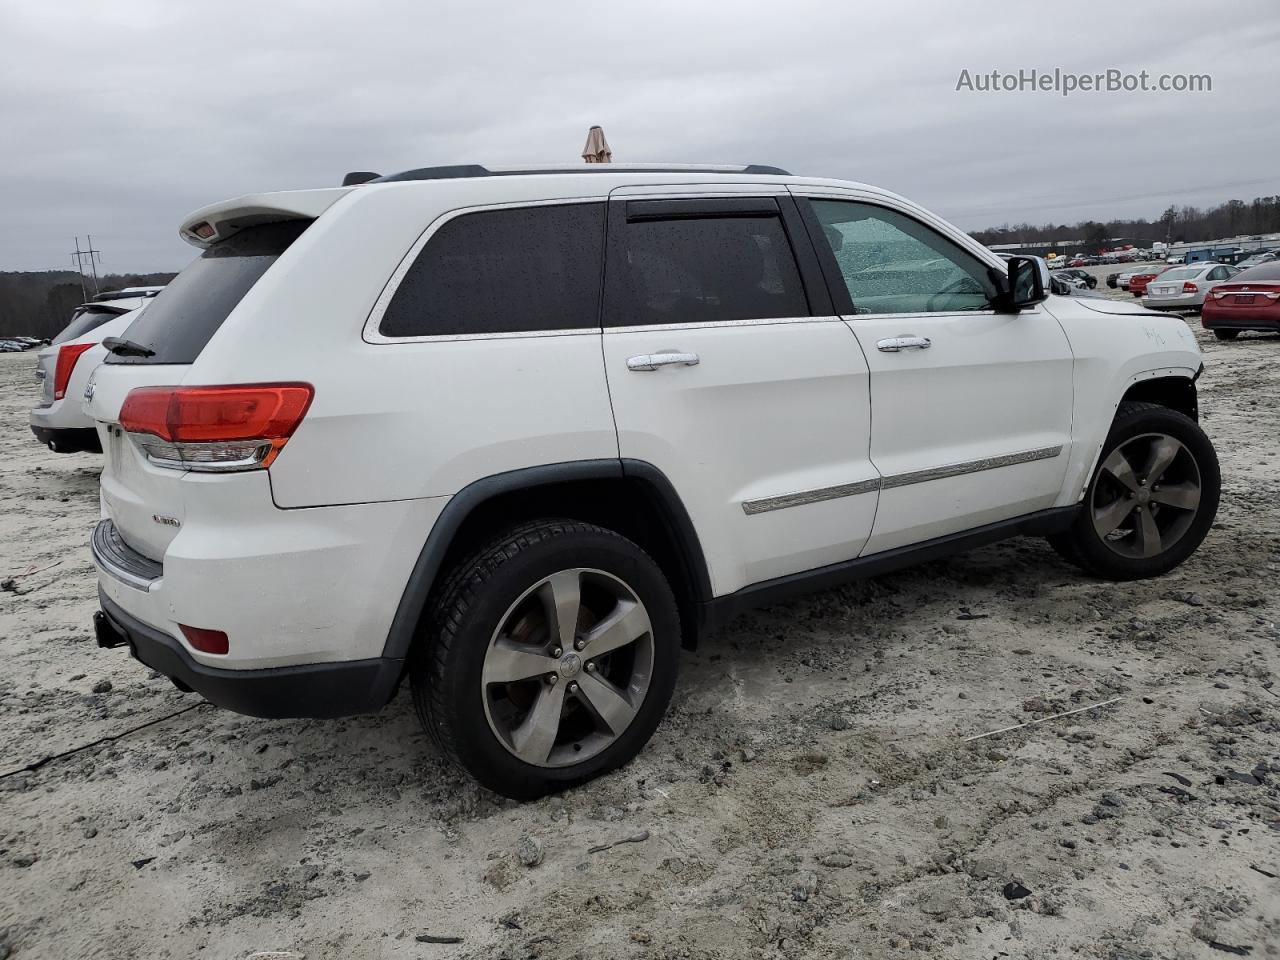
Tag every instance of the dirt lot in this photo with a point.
(812, 793)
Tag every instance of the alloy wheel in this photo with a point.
(1146, 496)
(568, 667)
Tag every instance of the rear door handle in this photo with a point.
(894, 344)
(652, 361)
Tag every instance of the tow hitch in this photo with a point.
(106, 632)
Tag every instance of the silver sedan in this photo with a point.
(1184, 288)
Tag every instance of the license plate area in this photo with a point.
(1243, 298)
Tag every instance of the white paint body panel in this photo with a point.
(990, 385)
(770, 409)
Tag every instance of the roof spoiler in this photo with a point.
(356, 177)
(218, 221)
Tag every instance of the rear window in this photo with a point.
(504, 271)
(1268, 272)
(188, 312)
(1186, 273)
(82, 321)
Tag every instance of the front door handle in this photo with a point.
(894, 344)
(652, 361)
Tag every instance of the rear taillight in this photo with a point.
(67, 357)
(215, 429)
(1190, 287)
(206, 641)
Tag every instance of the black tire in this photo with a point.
(1226, 334)
(448, 659)
(1081, 545)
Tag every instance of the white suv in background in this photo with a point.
(518, 435)
(63, 368)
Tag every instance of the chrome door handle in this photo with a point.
(652, 361)
(894, 344)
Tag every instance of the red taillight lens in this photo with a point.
(1189, 287)
(216, 428)
(67, 357)
(206, 641)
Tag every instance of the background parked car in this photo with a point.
(1138, 281)
(1258, 259)
(1250, 301)
(1088, 279)
(63, 369)
(18, 344)
(1184, 288)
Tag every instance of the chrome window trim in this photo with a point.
(371, 333)
(707, 325)
(818, 495)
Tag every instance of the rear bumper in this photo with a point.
(69, 439)
(1240, 318)
(341, 689)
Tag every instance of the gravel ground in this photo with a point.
(812, 793)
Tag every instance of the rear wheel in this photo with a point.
(551, 658)
(1152, 499)
(1226, 334)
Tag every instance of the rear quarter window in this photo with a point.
(517, 270)
(184, 316)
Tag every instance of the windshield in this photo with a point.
(186, 314)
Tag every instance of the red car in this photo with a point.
(1138, 282)
(1248, 301)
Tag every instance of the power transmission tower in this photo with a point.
(93, 256)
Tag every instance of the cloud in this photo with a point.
(121, 118)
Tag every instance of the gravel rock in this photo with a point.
(530, 851)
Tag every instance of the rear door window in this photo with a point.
(701, 270)
(518, 270)
(178, 323)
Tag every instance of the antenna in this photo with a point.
(94, 256)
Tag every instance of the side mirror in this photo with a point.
(1028, 281)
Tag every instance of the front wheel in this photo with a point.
(1152, 499)
(551, 657)
(1226, 334)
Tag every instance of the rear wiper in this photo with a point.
(126, 348)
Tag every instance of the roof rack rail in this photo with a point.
(459, 170)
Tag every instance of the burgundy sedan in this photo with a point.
(1248, 301)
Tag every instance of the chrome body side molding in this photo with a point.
(766, 504)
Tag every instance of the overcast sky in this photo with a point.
(117, 118)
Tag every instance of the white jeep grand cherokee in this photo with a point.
(519, 435)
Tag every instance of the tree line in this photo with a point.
(39, 303)
(1176, 225)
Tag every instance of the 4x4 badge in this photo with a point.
(167, 521)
